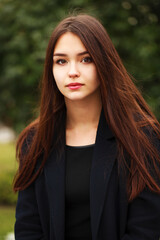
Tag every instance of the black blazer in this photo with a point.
(40, 212)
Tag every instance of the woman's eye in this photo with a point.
(61, 61)
(87, 60)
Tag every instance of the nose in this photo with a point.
(73, 71)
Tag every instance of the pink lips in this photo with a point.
(74, 86)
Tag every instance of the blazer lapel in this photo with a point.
(55, 181)
(102, 163)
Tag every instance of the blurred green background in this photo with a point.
(26, 26)
(133, 25)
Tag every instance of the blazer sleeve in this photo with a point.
(28, 225)
(143, 219)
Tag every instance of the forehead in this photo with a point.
(69, 42)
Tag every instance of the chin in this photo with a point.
(75, 98)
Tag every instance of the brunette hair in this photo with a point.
(125, 110)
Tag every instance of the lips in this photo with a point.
(74, 86)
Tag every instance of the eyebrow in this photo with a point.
(64, 55)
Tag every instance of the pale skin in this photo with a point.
(73, 64)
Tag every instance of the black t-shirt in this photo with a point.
(77, 193)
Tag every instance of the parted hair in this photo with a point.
(134, 125)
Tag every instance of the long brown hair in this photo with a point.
(125, 110)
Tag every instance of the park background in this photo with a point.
(26, 26)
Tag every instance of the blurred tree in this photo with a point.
(25, 30)
(23, 34)
(135, 30)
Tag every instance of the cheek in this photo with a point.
(58, 76)
(93, 76)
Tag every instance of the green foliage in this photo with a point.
(7, 157)
(135, 31)
(132, 24)
(7, 197)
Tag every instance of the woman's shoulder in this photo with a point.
(25, 140)
(28, 139)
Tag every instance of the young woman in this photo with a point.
(89, 164)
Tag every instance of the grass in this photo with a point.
(7, 157)
(7, 220)
(7, 166)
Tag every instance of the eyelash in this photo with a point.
(89, 59)
(63, 61)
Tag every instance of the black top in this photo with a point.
(77, 210)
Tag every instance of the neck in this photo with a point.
(83, 114)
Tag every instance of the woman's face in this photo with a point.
(73, 69)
